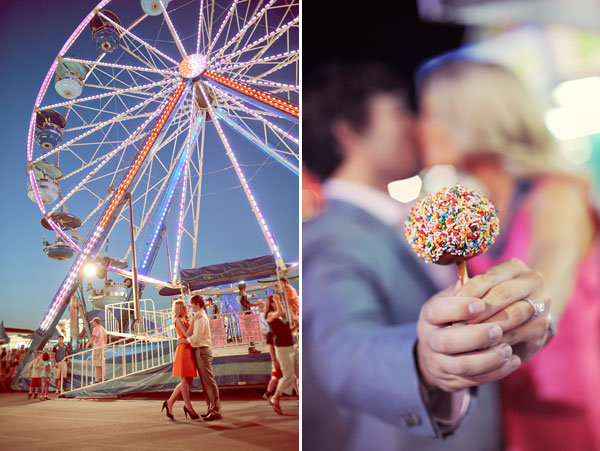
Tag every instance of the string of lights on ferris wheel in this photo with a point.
(108, 215)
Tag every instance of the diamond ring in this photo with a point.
(539, 307)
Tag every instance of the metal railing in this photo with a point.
(142, 350)
(123, 357)
(119, 318)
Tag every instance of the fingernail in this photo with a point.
(495, 332)
(506, 350)
(476, 307)
(514, 361)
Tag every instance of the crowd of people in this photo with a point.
(47, 364)
(9, 362)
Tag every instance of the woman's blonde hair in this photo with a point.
(178, 307)
(486, 109)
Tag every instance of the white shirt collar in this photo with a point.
(372, 200)
(387, 210)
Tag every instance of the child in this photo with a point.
(35, 372)
(47, 368)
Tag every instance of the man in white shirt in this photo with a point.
(200, 341)
(99, 340)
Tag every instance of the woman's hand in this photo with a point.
(523, 331)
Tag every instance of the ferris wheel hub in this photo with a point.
(193, 65)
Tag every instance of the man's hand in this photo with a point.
(182, 341)
(463, 355)
(454, 357)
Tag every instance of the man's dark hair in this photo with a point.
(340, 92)
(198, 300)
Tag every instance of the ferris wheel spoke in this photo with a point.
(174, 33)
(275, 67)
(184, 182)
(80, 100)
(288, 57)
(169, 174)
(240, 127)
(261, 221)
(200, 28)
(223, 24)
(258, 60)
(146, 61)
(239, 35)
(198, 194)
(270, 84)
(269, 38)
(269, 26)
(141, 41)
(121, 116)
(102, 161)
(260, 98)
(263, 120)
(121, 66)
(95, 210)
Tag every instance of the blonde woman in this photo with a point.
(480, 118)
(183, 364)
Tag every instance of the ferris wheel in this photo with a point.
(130, 107)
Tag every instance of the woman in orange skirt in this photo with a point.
(183, 364)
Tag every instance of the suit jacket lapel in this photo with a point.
(401, 249)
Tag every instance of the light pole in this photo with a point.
(136, 299)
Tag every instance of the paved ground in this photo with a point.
(135, 422)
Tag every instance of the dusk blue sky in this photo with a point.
(31, 35)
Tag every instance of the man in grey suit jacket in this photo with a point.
(381, 369)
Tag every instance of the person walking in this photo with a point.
(284, 350)
(183, 364)
(60, 354)
(199, 337)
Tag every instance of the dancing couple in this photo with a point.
(193, 357)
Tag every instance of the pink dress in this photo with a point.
(553, 401)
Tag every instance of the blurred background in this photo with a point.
(552, 45)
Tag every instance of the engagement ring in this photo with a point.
(539, 307)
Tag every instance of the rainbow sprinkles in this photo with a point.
(455, 222)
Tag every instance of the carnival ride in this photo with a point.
(141, 98)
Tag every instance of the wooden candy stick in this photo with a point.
(462, 272)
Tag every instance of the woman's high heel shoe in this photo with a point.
(193, 416)
(165, 406)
